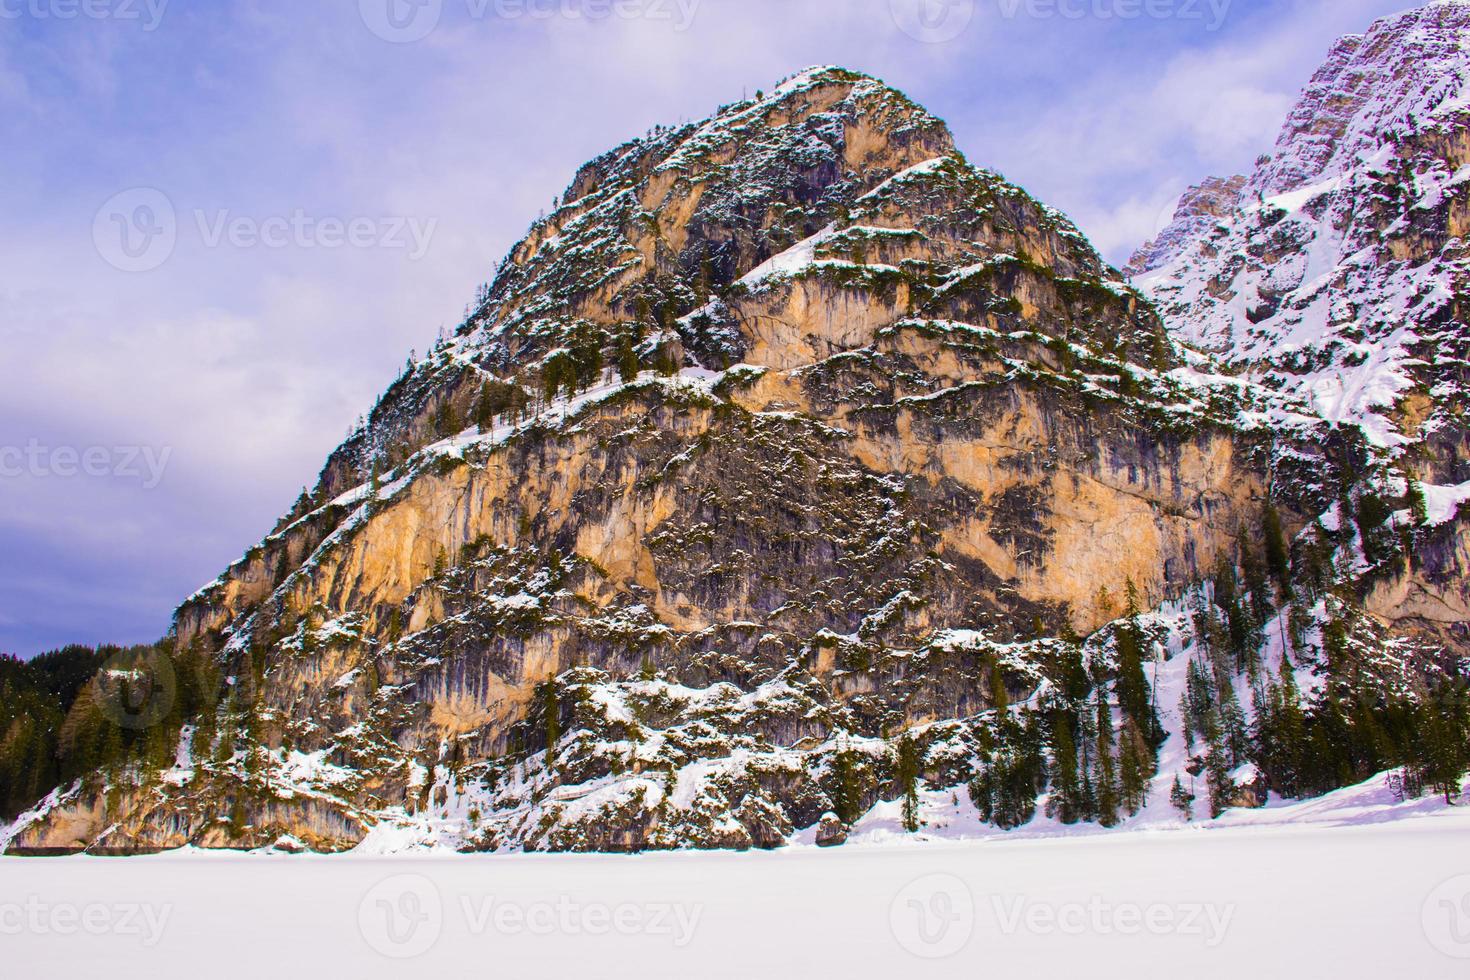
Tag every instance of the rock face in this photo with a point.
(787, 432)
(1339, 276)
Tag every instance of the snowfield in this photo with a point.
(1280, 892)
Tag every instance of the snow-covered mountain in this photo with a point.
(795, 470)
(1338, 270)
(1339, 274)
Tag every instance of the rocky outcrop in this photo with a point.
(831, 831)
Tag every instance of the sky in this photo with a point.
(224, 226)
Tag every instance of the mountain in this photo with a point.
(1338, 273)
(791, 467)
(1199, 210)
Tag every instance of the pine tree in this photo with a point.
(908, 781)
(446, 420)
(487, 408)
(1217, 774)
(847, 795)
(1418, 502)
(553, 722)
(1005, 788)
(1182, 799)
(552, 379)
(627, 361)
(1066, 802)
(1280, 733)
(1262, 601)
(1134, 693)
(1106, 778)
(1278, 555)
(1135, 769)
(642, 317)
(1000, 698)
(706, 277)
(1227, 597)
(1232, 728)
(1442, 749)
(1186, 720)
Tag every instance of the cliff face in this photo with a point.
(792, 431)
(1339, 277)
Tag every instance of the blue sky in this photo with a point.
(208, 373)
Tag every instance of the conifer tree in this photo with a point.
(627, 361)
(1182, 799)
(1418, 502)
(1006, 786)
(1280, 732)
(1441, 752)
(1106, 778)
(1232, 727)
(1000, 698)
(1134, 693)
(553, 722)
(642, 317)
(1256, 581)
(1278, 556)
(908, 781)
(706, 277)
(1227, 597)
(486, 409)
(1135, 769)
(446, 420)
(847, 796)
(551, 379)
(1066, 802)
(1217, 774)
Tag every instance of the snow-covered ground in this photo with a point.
(1268, 894)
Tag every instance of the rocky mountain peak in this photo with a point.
(717, 197)
(1339, 273)
(1405, 75)
(1199, 208)
(682, 241)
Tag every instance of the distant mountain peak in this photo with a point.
(1340, 273)
(1199, 207)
